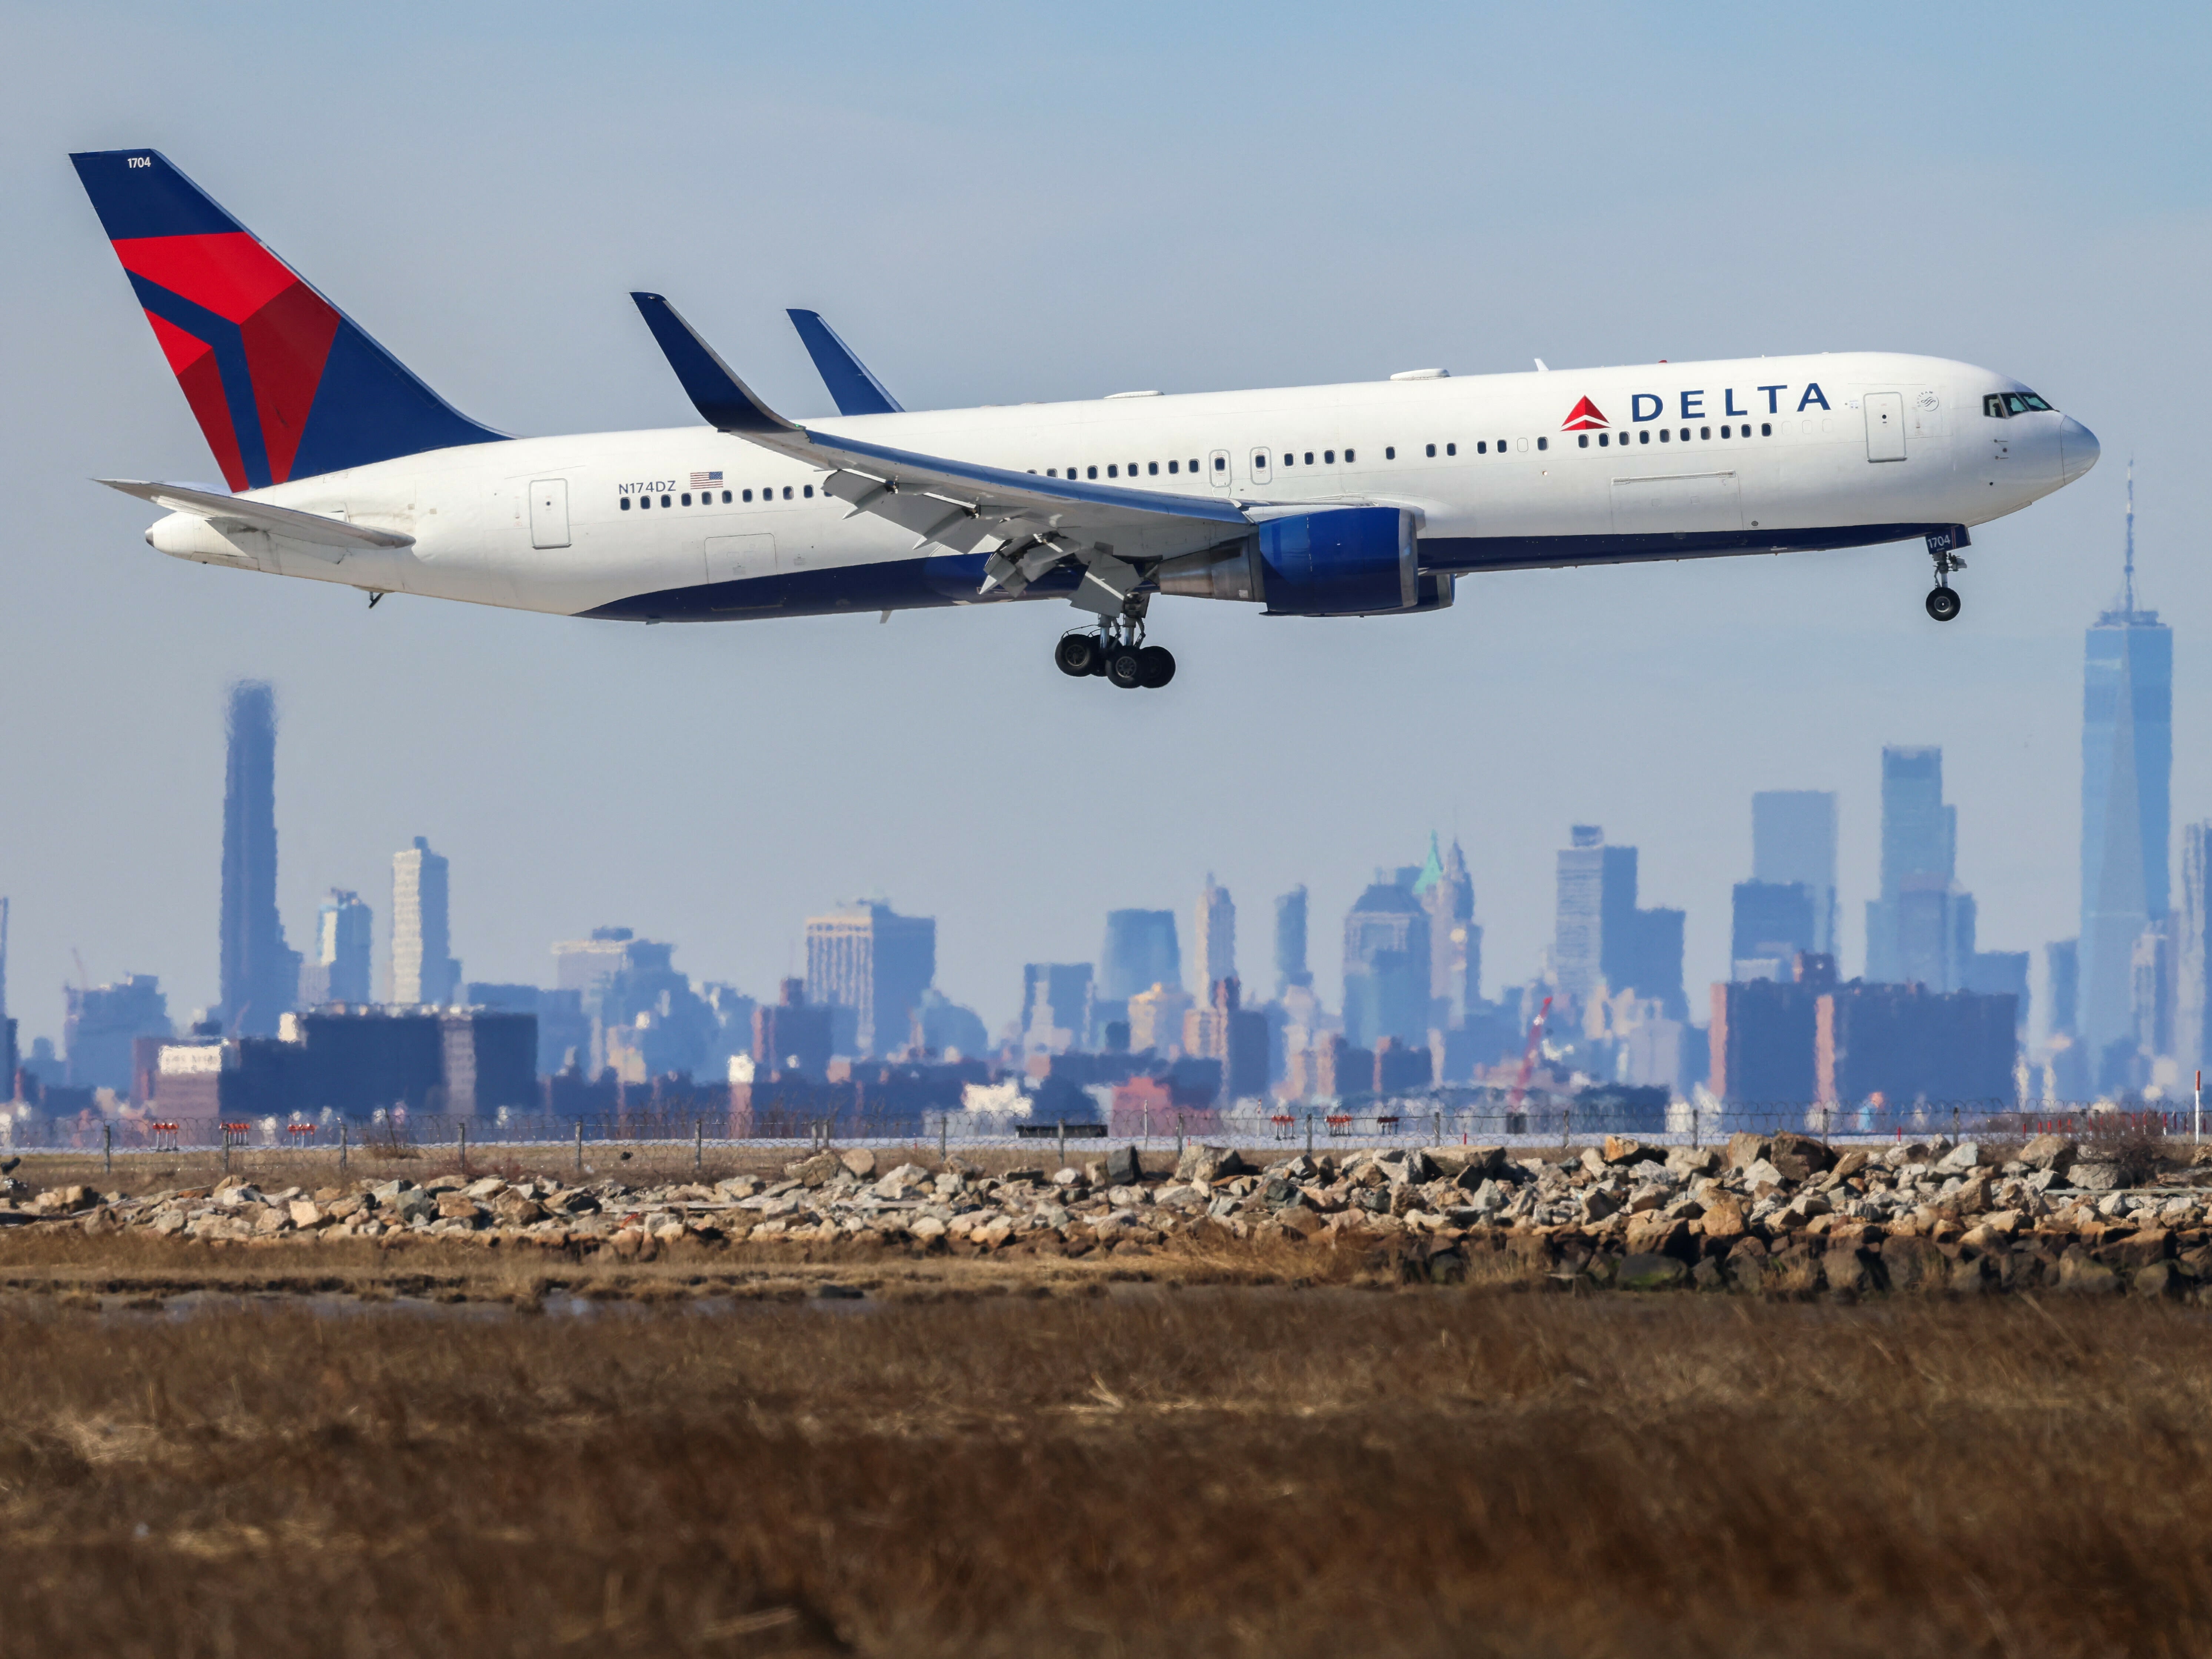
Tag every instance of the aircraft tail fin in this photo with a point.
(283, 384)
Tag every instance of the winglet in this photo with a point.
(854, 390)
(726, 402)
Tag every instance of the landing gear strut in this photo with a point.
(1943, 548)
(1118, 651)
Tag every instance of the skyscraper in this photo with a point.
(339, 972)
(1139, 952)
(1920, 930)
(1056, 1006)
(871, 959)
(1291, 941)
(1772, 922)
(1216, 933)
(2193, 951)
(1447, 892)
(260, 976)
(1386, 967)
(1602, 939)
(2127, 765)
(1793, 839)
(424, 971)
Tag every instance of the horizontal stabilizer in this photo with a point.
(315, 528)
(855, 390)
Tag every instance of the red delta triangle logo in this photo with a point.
(1586, 417)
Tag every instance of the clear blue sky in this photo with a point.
(998, 204)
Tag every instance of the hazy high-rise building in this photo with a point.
(1793, 839)
(1771, 922)
(2192, 950)
(1291, 969)
(424, 971)
(1446, 893)
(1139, 952)
(2062, 966)
(339, 972)
(102, 1023)
(1602, 939)
(2127, 766)
(1386, 967)
(1920, 930)
(869, 958)
(1216, 943)
(1056, 1006)
(260, 975)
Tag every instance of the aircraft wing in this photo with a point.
(854, 390)
(1038, 523)
(315, 529)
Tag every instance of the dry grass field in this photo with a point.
(973, 1461)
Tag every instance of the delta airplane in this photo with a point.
(1364, 500)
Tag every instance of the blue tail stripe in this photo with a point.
(151, 199)
(228, 341)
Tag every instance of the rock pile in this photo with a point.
(1784, 1213)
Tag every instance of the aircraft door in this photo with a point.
(548, 513)
(1885, 425)
(1260, 473)
(737, 558)
(1216, 468)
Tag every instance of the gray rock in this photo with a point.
(2052, 1153)
(1690, 1161)
(1759, 1173)
(859, 1163)
(1967, 1155)
(2096, 1177)
(1124, 1168)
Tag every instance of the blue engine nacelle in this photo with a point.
(1347, 561)
(1341, 562)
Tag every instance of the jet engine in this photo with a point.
(1341, 562)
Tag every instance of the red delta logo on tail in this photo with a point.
(1585, 417)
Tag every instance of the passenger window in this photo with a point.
(1328, 456)
(1193, 465)
(1220, 464)
(1152, 469)
(726, 498)
(664, 501)
(1259, 460)
(747, 495)
(787, 492)
(1705, 431)
(1390, 452)
(1290, 457)
(1052, 472)
(1347, 458)
(624, 503)
(1601, 440)
(1308, 457)
(1583, 442)
(1451, 449)
(809, 492)
(1543, 443)
(1092, 472)
(687, 500)
(1766, 429)
(1686, 435)
(1113, 472)
(1483, 447)
(1432, 452)
(1724, 432)
(1171, 467)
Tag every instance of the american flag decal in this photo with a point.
(701, 480)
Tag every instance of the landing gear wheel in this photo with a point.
(1942, 603)
(1155, 664)
(1077, 655)
(1126, 667)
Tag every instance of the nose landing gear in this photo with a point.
(1943, 548)
(1118, 653)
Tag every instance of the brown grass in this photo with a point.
(1132, 1468)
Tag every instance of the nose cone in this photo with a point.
(2077, 450)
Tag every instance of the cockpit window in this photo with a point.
(2005, 404)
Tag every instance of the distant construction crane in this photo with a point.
(1528, 1058)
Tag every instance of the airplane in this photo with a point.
(1360, 499)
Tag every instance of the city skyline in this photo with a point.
(564, 769)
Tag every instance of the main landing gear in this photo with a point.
(1118, 651)
(1943, 548)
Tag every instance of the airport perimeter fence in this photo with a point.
(677, 1144)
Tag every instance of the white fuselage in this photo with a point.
(1752, 454)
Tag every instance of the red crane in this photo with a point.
(1528, 1058)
